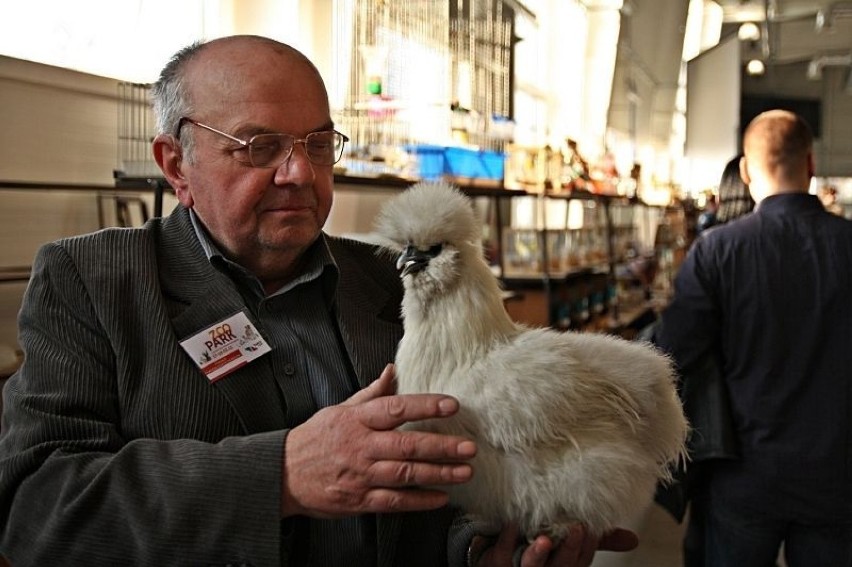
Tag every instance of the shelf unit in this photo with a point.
(596, 292)
(576, 276)
(585, 293)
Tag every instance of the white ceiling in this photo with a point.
(651, 41)
(647, 66)
(793, 32)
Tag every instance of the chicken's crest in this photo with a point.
(429, 213)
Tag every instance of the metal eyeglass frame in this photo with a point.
(247, 144)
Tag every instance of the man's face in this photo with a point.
(259, 216)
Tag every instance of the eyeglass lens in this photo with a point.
(271, 150)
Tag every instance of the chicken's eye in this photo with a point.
(436, 249)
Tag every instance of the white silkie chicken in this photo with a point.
(571, 427)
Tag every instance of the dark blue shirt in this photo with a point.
(771, 293)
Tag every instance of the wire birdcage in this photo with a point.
(136, 130)
(404, 69)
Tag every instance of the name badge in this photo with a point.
(226, 346)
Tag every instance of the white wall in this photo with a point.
(59, 127)
(712, 114)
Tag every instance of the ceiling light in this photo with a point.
(748, 32)
(755, 67)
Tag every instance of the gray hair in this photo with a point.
(171, 99)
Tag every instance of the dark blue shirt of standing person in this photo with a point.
(771, 293)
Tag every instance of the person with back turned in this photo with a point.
(768, 295)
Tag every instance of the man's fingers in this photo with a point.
(384, 385)
(588, 546)
(504, 548)
(389, 412)
(403, 500)
(577, 548)
(381, 409)
(418, 446)
(619, 540)
(410, 473)
(393, 410)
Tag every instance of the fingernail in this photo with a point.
(448, 406)
(466, 449)
(462, 473)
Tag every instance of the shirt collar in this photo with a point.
(319, 263)
(782, 202)
(207, 245)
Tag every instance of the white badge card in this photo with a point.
(226, 346)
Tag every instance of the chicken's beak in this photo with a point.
(413, 260)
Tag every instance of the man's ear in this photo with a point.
(169, 157)
(744, 171)
(811, 165)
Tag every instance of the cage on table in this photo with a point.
(135, 165)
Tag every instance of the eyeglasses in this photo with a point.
(271, 150)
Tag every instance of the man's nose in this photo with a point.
(297, 168)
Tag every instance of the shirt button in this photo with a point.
(289, 369)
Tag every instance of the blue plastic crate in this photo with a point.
(435, 162)
(430, 160)
(474, 164)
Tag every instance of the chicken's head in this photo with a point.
(435, 230)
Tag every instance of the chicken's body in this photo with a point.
(570, 427)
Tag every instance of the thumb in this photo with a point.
(384, 385)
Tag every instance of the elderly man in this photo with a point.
(213, 388)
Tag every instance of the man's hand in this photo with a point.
(350, 458)
(577, 549)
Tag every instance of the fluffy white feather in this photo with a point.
(571, 427)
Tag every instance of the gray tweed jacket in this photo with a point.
(117, 450)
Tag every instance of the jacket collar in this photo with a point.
(789, 202)
(368, 313)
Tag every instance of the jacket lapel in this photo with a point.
(367, 308)
(199, 296)
(369, 320)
